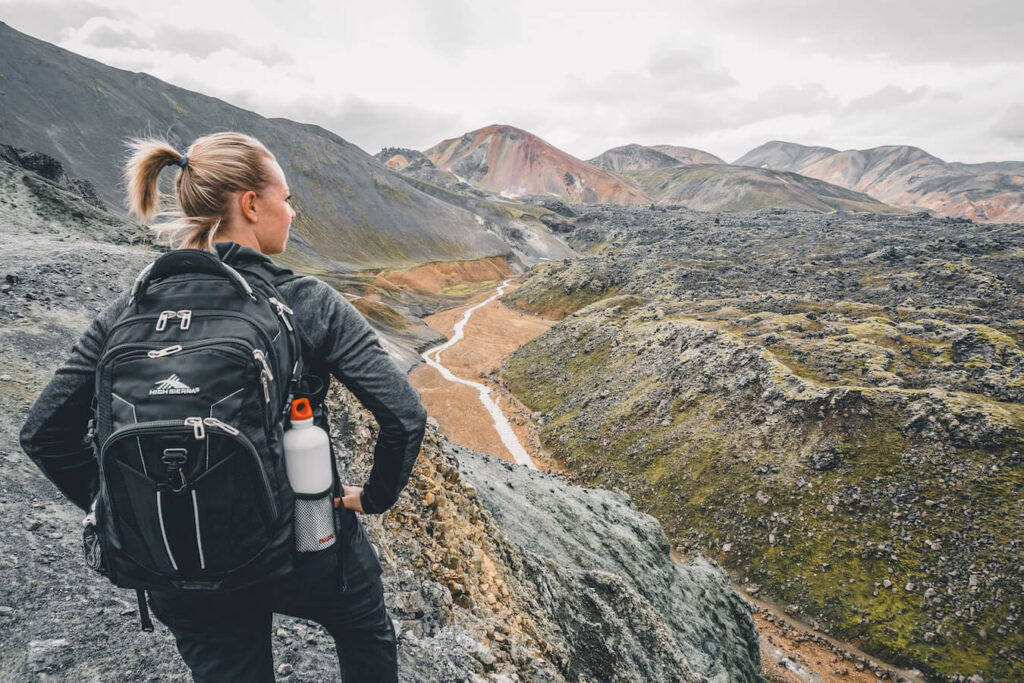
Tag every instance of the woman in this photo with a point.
(234, 200)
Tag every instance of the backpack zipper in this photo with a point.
(207, 313)
(281, 310)
(184, 315)
(198, 430)
(126, 350)
(160, 353)
(265, 374)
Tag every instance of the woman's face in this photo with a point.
(274, 211)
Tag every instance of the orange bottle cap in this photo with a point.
(301, 409)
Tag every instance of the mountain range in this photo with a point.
(906, 176)
(511, 162)
(462, 198)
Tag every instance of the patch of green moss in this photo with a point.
(517, 211)
(177, 107)
(467, 289)
(557, 304)
(382, 313)
(392, 192)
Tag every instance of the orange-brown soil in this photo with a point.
(816, 660)
(432, 278)
(492, 332)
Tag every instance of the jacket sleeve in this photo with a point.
(54, 434)
(350, 348)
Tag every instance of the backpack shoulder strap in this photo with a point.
(311, 385)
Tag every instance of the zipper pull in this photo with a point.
(186, 319)
(214, 422)
(161, 322)
(262, 357)
(281, 310)
(164, 352)
(266, 388)
(281, 306)
(198, 430)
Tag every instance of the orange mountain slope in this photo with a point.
(515, 163)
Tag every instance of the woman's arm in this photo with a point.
(54, 433)
(340, 336)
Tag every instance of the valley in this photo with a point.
(790, 651)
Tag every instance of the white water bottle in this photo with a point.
(307, 453)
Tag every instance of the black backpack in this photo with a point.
(193, 390)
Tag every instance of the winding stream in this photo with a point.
(432, 358)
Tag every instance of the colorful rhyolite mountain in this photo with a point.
(906, 176)
(512, 162)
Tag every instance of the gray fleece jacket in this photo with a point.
(338, 341)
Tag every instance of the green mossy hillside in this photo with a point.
(891, 516)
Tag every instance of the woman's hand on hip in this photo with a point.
(351, 497)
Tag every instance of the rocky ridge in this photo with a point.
(640, 157)
(352, 211)
(470, 600)
(721, 187)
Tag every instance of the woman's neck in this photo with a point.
(246, 239)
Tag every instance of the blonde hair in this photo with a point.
(217, 165)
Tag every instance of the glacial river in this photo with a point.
(432, 357)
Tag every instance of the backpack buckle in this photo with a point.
(175, 459)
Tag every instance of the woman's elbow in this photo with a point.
(416, 423)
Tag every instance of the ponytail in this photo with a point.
(142, 173)
(213, 168)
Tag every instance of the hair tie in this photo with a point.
(181, 161)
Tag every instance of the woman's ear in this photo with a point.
(247, 205)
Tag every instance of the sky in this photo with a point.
(723, 76)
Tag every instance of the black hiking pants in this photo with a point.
(227, 636)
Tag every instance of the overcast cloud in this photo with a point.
(722, 76)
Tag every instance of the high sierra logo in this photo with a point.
(172, 385)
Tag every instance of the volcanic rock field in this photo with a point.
(828, 404)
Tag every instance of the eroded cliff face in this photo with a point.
(545, 578)
(472, 596)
